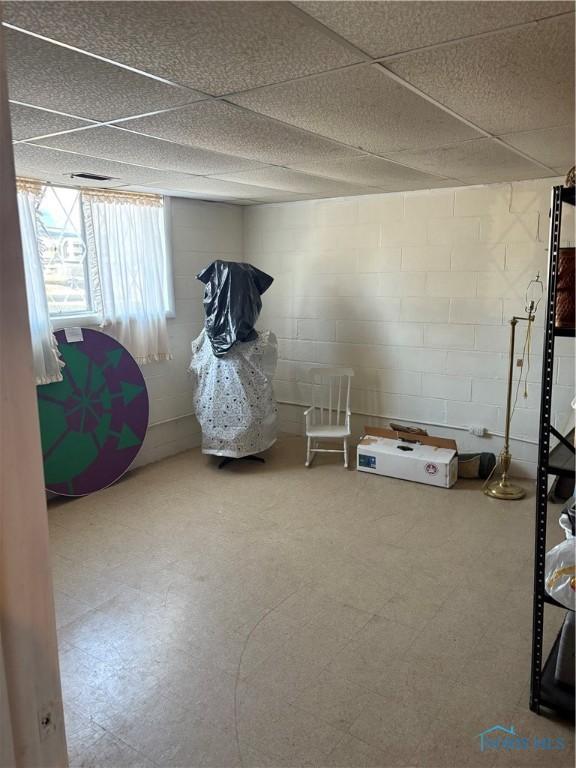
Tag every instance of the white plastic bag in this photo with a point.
(567, 517)
(233, 396)
(566, 525)
(561, 573)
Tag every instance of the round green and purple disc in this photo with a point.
(93, 422)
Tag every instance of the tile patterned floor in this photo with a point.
(270, 616)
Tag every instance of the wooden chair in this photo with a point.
(329, 416)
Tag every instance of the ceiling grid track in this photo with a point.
(356, 150)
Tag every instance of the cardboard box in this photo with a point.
(420, 458)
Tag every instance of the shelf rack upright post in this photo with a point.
(544, 692)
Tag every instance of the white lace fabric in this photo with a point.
(45, 355)
(233, 396)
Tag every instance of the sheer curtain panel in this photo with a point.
(47, 363)
(126, 234)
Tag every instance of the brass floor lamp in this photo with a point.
(502, 488)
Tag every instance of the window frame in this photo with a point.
(170, 297)
(90, 314)
(94, 318)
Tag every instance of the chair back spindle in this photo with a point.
(330, 395)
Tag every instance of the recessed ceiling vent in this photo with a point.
(90, 176)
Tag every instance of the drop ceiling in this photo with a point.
(251, 102)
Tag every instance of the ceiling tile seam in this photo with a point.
(535, 130)
(451, 112)
(114, 123)
(495, 137)
(205, 96)
(104, 123)
(184, 174)
(523, 154)
(314, 23)
(36, 142)
(118, 120)
(33, 141)
(52, 111)
(215, 151)
(213, 176)
(366, 57)
(43, 136)
(430, 99)
(115, 119)
(221, 177)
(323, 176)
(240, 108)
(226, 154)
(375, 188)
(110, 160)
(362, 150)
(171, 193)
(297, 79)
(474, 36)
(210, 97)
(49, 183)
(106, 60)
(377, 59)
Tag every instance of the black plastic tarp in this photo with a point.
(232, 302)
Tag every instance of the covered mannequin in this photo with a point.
(233, 364)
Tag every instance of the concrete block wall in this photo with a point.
(199, 233)
(415, 291)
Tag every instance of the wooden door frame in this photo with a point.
(32, 723)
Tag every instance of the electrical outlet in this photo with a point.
(477, 430)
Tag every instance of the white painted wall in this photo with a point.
(200, 233)
(415, 291)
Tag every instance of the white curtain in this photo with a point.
(126, 233)
(47, 363)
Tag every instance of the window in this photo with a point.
(69, 269)
(63, 252)
(95, 257)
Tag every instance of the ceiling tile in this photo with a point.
(552, 146)
(173, 192)
(50, 76)
(516, 80)
(362, 107)
(384, 28)
(50, 164)
(294, 181)
(121, 145)
(238, 202)
(28, 122)
(226, 128)
(475, 162)
(212, 188)
(276, 196)
(375, 172)
(215, 47)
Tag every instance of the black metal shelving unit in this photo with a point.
(544, 691)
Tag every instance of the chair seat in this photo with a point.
(328, 431)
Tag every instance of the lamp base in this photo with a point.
(502, 489)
